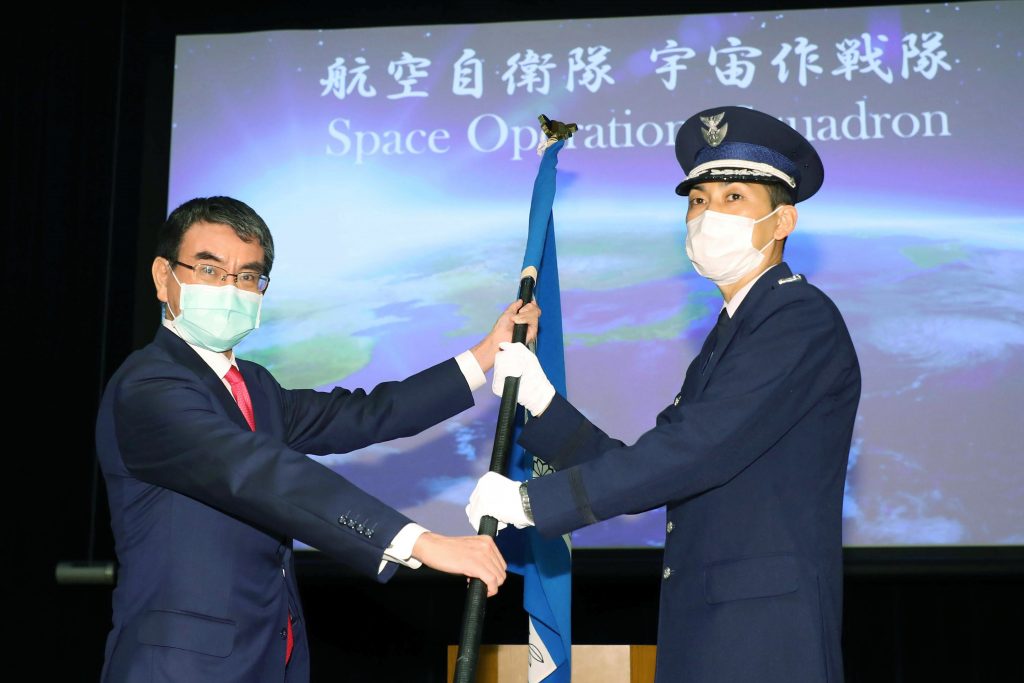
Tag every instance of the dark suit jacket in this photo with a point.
(750, 461)
(203, 510)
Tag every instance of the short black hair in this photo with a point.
(778, 194)
(246, 223)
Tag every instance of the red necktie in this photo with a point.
(241, 394)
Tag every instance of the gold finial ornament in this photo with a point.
(555, 131)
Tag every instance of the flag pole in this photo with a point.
(476, 596)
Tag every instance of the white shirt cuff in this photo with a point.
(471, 370)
(400, 549)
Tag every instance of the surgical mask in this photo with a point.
(216, 318)
(719, 247)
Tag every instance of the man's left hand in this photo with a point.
(497, 496)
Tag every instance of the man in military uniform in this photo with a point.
(749, 458)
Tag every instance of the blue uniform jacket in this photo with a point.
(204, 510)
(750, 462)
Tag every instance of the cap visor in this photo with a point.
(683, 188)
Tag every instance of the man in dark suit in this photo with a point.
(749, 458)
(205, 461)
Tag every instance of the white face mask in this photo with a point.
(719, 247)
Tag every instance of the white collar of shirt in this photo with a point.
(217, 361)
(739, 296)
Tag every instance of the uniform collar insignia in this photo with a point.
(713, 135)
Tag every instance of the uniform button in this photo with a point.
(667, 572)
(669, 527)
(284, 633)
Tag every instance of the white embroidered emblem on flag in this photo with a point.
(541, 664)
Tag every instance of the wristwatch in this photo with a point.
(526, 502)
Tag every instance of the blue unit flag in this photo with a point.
(546, 564)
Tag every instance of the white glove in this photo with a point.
(497, 496)
(515, 360)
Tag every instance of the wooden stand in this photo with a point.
(590, 663)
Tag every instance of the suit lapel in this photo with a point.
(722, 338)
(260, 402)
(182, 353)
(749, 303)
(706, 351)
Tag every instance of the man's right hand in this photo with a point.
(474, 556)
(515, 314)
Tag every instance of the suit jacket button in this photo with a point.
(669, 527)
(284, 634)
(667, 572)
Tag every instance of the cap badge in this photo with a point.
(713, 135)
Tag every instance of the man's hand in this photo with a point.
(474, 556)
(497, 496)
(515, 314)
(515, 360)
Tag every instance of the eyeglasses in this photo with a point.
(209, 274)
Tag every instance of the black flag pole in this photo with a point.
(473, 612)
(476, 597)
